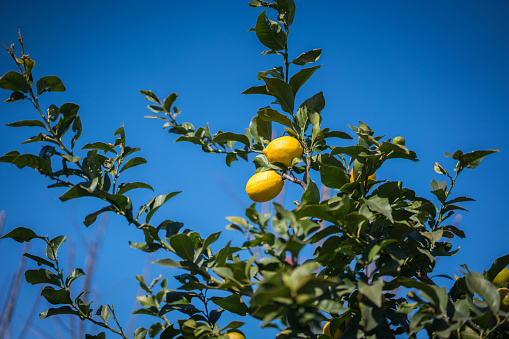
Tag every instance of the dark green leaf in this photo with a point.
(230, 157)
(140, 333)
(183, 246)
(150, 96)
(133, 162)
(41, 165)
(41, 276)
(380, 205)
(76, 128)
(69, 112)
(125, 187)
(372, 292)
(307, 57)
(52, 247)
(40, 261)
(56, 297)
(300, 78)
(337, 134)
(21, 234)
(332, 176)
(50, 83)
(55, 311)
(282, 91)
(485, 289)
(497, 266)
(158, 202)
(269, 114)
(27, 123)
(100, 146)
(268, 33)
(473, 159)
(15, 96)
(14, 81)
(316, 102)
(221, 138)
(168, 102)
(101, 335)
(257, 90)
(75, 274)
(312, 193)
(232, 303)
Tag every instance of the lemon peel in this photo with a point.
(264, 186)
(283, 150)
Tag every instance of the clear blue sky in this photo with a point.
(434, 72)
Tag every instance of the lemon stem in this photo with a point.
(295, 180)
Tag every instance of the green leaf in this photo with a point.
(332, 176)
(230, 157)
(69, 112)
(232, 303)
(486, 290)
(497, 266)
(437, 296)
(52, 247)
(269, 114)
(15, 96)
(100, 146)
(140, 333)
(183, 246)
(270, 35)
(21, 234)
(56, 311)
(133, 162)
(26, 123)
(261, 130)
(75, 274)
(151, 96)
(55, 297)
(14, 81)
(307, 57)
(158, 202)
(336, 134)
(41, 276)
(168, 102)
(312, 193)
(221, 138)
(50, 83)
(76, 128)
(101, 335)
(257, 90)
(316, 102)
(372, 292)
(300, 78)
(473, 159)
(440, 170)
(125, 187)
(40, 164)
(282, 91)
(40, 261)
(380, 205)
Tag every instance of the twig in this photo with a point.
(295, 180)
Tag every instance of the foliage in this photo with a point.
(375, 242)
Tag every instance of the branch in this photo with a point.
(295, 180)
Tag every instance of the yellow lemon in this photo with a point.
(504, 299)
(283, 150)
(399, 141)
(326, 329)
(501, 277)
(264, 186)
(236, 335)
(352, 180)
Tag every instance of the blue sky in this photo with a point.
(434, 72)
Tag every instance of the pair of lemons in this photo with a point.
(266, 185)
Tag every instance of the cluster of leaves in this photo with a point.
(374, 243)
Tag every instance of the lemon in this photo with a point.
(399, 141)
(283, 150)
(501, 277)
(352, 180)
(264, 186)
(236, 335)
(504, 299)
(326, 329)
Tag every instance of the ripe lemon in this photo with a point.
(399, 141)
(352, 180)
(501, 277)
(326, 329)
(236, 335)
(264, 186)
(283, 150)
(504, 299)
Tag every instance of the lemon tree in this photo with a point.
(363, 256)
